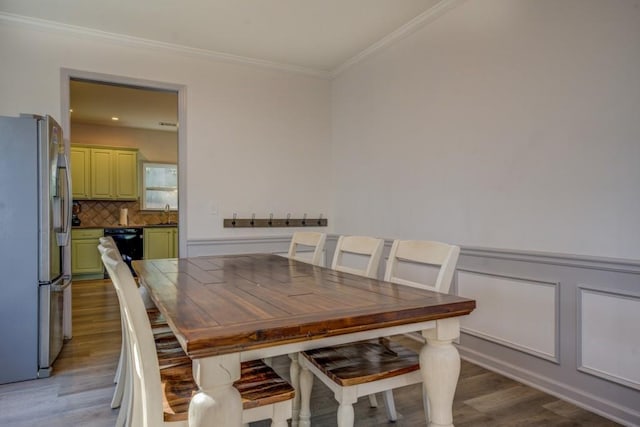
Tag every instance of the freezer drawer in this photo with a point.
(51, 335)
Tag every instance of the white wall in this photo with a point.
(257, 138)
(504, 123)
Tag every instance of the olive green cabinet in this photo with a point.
(160, 242)
(80, 172)
(103, 173)
(125, 179)
(85, 257)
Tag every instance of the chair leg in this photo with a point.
(425, 403)
(121, 375)
(373, 402)
(281, 413)
(306, 384)
(390, 404)
(117, 394)
(294, 373)
(124, 415)
(116, 377)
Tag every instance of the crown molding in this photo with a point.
(410, 27)
(51, 26)
(407, 29)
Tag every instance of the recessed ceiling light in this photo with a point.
(71, 110)
(115, 119)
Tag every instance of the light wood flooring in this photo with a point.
(80, 389)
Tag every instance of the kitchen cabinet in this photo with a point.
(80, 172)
(103, 173)
(160, 242)
(86, 262)
(125, 174)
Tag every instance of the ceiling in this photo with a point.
(318, 35)
(97, 103)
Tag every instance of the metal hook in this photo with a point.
(253, 218)
(288, 218)
(233, 222)
(270, 219)
(304, 219)
(320, 219)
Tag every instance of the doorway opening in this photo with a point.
(147, 117)
(105, 120)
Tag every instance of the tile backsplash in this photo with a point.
(104, 213)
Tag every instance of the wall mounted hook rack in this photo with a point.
(272, 222)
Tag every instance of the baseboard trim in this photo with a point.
(580, 398)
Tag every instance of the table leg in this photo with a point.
(306, 384)
(294, 373)
(440, 366)
(218, 402)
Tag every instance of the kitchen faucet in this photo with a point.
(167, 218)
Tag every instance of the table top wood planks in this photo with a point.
(232, 303)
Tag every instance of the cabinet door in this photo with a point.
(125, 174)
(158, 243)
(85, 257)
(80, 172)
(102, 173)
(175, 243)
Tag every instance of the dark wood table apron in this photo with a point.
(228, 309)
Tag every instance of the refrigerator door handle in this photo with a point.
(60, 287)
(63, 236)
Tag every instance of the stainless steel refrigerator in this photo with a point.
(35, 223)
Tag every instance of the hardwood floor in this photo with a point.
(80, 389)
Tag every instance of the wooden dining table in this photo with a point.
(228, 309)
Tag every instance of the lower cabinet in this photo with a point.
(86, 262)
(160, 242)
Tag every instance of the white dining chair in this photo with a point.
(105, 244)
(161, 397)
(168, 348)
(368, 367)
(310, 240)
(367, 250)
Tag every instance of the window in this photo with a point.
(159, 186)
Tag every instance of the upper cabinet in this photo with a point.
(104, 173)
(125, 178)
(81, 172)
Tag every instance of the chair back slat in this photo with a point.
(358, 245)
(310, 239)
(428, 253)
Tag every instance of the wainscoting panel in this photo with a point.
(594, 300)
(517, 313)
(609, 344)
